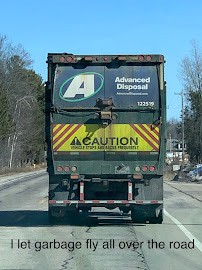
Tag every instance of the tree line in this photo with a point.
(21, 108)
(191, 77)
(191, 74)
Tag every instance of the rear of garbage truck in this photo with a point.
(105, 133)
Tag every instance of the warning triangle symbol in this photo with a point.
(75, 141)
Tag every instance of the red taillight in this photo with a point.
(152, 168)
(144, 168)
(69, 59)
(62, 59)
(67, 168)
(59, 168)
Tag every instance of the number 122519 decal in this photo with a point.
(145, 103)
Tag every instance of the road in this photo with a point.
(114, 242)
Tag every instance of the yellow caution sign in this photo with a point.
(114, 137)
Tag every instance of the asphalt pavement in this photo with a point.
(28, 241)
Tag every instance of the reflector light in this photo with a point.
(152, 168)
(137, 176)
(74, 176)
(88, 58)
(59, 168)
(69, 59)
(144, 168)
(122, 58)
(62, 59)
(67, 168)
(149, 58)
(161, 58)
(141, 58)
(74, 168)
(106, 59)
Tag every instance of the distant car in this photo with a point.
(198, 165)
(195, 174)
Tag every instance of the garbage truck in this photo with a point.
(105, 134)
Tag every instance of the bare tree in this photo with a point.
(20, 90)
(191, 74)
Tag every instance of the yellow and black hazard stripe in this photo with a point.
(149, 133)
(147, 136)
(62, 132)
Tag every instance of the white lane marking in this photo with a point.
(197, 243)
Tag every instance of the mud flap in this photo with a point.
(151, 213)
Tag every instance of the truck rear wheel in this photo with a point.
(156, 220)
(138, 216)
(146, 214)
(69, 217)
(54, 217)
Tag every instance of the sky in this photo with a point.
(107, 27)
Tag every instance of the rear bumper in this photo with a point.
(94, 203)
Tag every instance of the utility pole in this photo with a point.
(182, 97)
(170, 143)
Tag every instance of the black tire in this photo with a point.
(138, 216)
(157, 220)
(52, 219)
